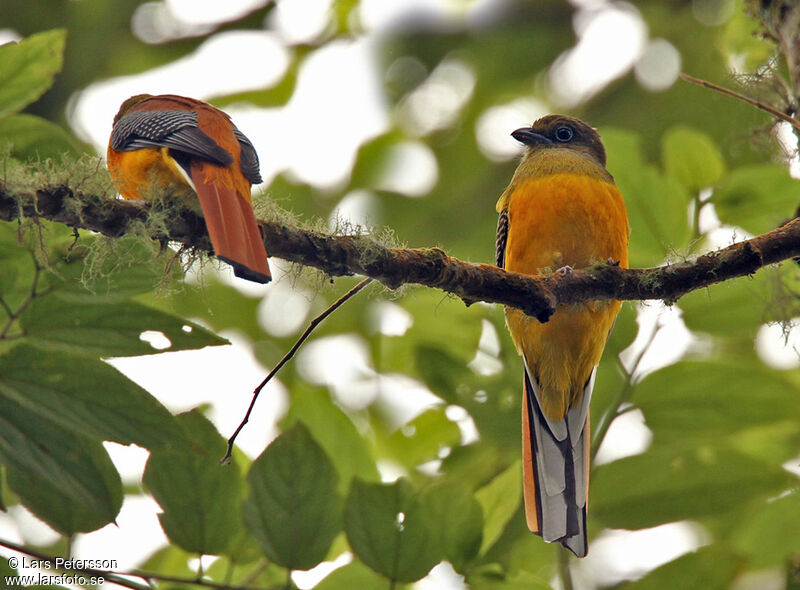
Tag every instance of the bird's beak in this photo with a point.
(529, 137)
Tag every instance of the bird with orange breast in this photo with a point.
(561, 211)
(186, 147)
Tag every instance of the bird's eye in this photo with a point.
(564, 134)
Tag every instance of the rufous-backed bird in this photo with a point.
(561, 211)
(187, 147)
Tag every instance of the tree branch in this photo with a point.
(431, 267)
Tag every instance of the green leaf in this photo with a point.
(171, 559)
(422, 438)
(624, 331)
(666, 484)
(244, 549)
(16, 265)
(710, 568)
(733, 309)
(59, 510)
(757, 198)
(491, 577)
(334, 431)
(354, 575)
(114, 271)
(9, 273)
(440, 371)
(610, 379)
(657, 204)
(684, 402)
(200, 498)
(374, 158)
(219, 306)
(499, 500)
(742, 37)
(769, 535)
(473, 465)
(388, 531)
(430, 313)
(32, 138)
(492, 401)
(692, 158)
(259, 573)
(85, 396)
(519, 549)
(60, 460)
(455, 519)
(108, 330)
(29, 68)
(293, 509)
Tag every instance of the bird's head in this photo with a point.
(560, 131)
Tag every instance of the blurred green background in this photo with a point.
(396, 116)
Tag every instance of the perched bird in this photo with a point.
(560, 212)
(188, 147)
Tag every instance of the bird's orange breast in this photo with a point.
(565, 219)
(561, 220)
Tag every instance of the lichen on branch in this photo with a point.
(339, 255)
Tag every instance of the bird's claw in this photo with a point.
(564, 270)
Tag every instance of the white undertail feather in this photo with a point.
(176, 166)
(560, 468)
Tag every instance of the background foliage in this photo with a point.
(724, 423)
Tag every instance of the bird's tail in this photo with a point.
(555, 459)
(232, 228)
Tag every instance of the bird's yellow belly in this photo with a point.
(555, 221)
(140, 173)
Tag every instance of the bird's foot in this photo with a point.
(565, 270)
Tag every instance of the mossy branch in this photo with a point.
(431, 267)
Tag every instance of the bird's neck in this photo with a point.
(545, 162)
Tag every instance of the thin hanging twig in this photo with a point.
(287, 357)
(756, 103)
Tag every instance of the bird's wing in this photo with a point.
(502, 238)
(177, 130)
(249, 158)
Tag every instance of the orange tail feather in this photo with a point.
(528, 477)
(233, 229)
